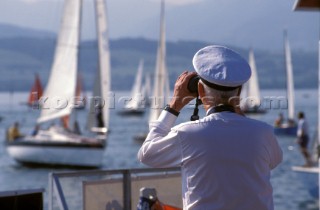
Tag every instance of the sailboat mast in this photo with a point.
(78, 78)
(254, 89)
(289, 71)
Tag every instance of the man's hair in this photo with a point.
(300, 115)
(219, 96)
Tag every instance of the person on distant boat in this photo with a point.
(76, 128)
(35, 130)
(225, 158)
(279, 121)
(100, 123)
(14, 132)
(303, 138)
(65, 122)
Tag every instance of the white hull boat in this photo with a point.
(66, 149)
(59, 145)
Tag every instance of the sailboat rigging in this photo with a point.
(161, 87)
(58, 145)
(288, 127)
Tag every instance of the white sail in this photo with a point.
(136, 93)
(58, 96)
(103, 82)
(160, 77)
(253, 83)
(147, 87)
(290, 82)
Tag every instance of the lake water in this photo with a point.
(289, 192)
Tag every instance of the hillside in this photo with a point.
(21, 57)
(7, 31)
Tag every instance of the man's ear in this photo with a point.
(239, 91)
(201, 91)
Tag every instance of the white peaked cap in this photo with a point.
(221, 66)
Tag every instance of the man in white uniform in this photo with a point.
(225, 158)
(303, 138)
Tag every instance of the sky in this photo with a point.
(123, 14)
(240, 22)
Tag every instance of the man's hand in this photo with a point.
(181, 94)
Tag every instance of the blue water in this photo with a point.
(289, 191)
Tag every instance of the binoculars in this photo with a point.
(193, 88)
(193, 84)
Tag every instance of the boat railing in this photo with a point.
(112, 189)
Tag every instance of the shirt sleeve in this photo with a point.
(162, 145)
(274, 150)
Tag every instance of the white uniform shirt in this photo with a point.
(225, 159)
(302, 128)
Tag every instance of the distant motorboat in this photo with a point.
(288, 127)
(59, 145)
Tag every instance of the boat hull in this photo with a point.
(131, 112)
(287, 131)
(309, 176)
(57, 146)
(255, 111)
(56, 153)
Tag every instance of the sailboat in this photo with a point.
(161, 88)
(146, 89)
(35, 93)
(135, 105)
(310, 175)
(58, 145)
(288, 127)
(251, 92)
